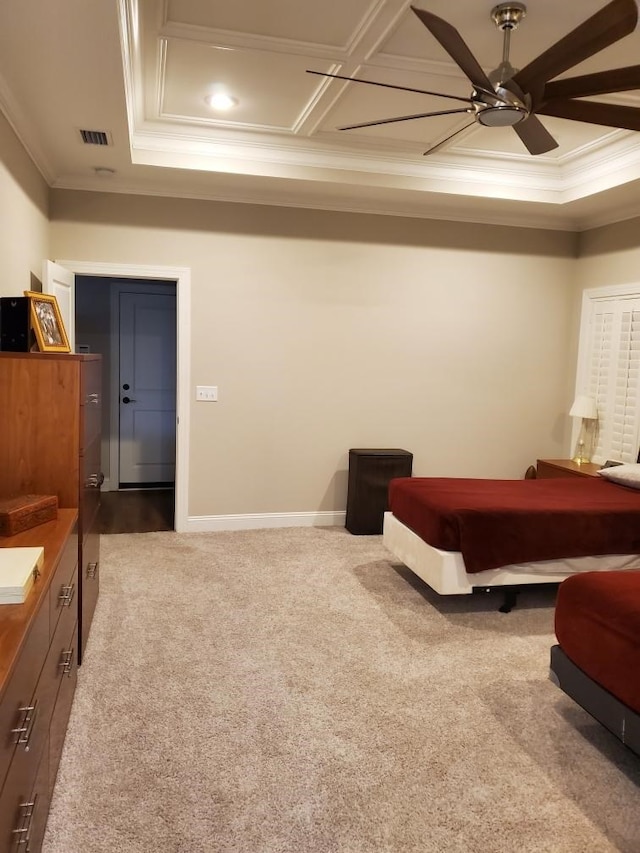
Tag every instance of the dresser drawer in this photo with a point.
(90, 402)
(92, 479)
(64, 587)
(59, 660)
(24, 804)
(60, 718)
(41, 798)
(19, 694)
(89, 584)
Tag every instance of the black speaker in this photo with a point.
(369, 474)
(14, 324)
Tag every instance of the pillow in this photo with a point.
(625, 475)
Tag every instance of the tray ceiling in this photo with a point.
(140, 71)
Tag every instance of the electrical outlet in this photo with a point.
(208, 393)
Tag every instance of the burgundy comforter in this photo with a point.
(597, 620)
(496, 523)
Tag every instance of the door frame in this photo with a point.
(182, 278)
(59, 281)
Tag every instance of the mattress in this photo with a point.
(597, 623)
(494, 523)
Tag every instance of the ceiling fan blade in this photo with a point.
(442, 142)
(610, 115)
(390, 86)
(616, 20)
(453, 43)
(535, 136)
(601, 83)
(402, 118)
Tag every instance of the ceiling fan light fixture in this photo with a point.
(500, 116)
(505, 110)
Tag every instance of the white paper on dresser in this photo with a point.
(18, 569)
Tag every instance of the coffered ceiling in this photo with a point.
(139, 71)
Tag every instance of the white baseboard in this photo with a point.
(212, 523)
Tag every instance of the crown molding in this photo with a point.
(25, 131)
(432, 206)
(586, 172)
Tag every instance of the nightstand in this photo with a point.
(370, 472)
(548, 468)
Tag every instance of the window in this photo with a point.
(609, 369)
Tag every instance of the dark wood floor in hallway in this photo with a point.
(136, 511)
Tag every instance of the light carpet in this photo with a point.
(297, 691)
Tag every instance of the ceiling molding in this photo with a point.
(595, 168)
(24, 129)
(423, 207)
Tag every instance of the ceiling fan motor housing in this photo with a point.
(507, 16)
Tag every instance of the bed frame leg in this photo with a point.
(510, 600)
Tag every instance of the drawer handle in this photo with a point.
(66, 662)
(25, 729)
(23, 831)
(92, 569)
(66, 595)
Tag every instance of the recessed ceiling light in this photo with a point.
(221, 101)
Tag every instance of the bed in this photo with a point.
(460, 535)
(597, 658)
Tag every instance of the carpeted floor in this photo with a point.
(295, 691)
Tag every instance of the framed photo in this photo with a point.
(46, 322)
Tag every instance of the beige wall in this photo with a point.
(609, 256)
(326, 331)
(24, 225)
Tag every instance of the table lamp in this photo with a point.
(585, 408)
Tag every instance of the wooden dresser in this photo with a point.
(50, 434)
(38, 674)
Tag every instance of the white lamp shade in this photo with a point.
(584, 407)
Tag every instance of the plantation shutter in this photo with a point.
(599, 385)
(613, 377)
(624, 439)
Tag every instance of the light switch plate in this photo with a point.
(208, 393)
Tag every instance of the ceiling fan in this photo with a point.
(511, 97)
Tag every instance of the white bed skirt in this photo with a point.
(445, 571)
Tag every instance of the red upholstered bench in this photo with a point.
(597, 659)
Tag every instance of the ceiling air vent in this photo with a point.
(94, 137)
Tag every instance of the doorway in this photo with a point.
(132, 322)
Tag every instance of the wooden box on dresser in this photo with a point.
(50, 434)
(38, 674)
